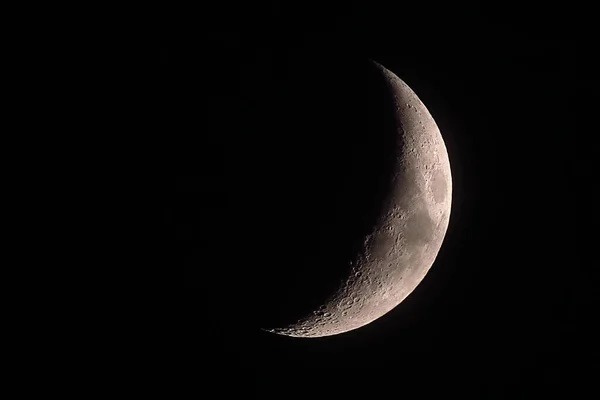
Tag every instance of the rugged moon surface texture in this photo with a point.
(409, 232)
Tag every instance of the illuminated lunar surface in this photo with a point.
(408, 235)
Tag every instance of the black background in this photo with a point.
(506, 307)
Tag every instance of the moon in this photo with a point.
(404, 243)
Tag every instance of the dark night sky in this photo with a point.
(503, 309)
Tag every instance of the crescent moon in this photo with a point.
(408, 235)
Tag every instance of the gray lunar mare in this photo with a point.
(402, 247)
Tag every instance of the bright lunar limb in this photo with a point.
(402, 247)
